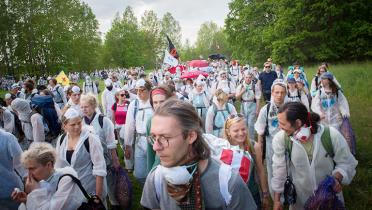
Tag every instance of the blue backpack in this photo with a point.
(44, 105)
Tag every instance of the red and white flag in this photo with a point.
(238, 160)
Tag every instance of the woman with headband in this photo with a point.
(158, 95)
(82, 150)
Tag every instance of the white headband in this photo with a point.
(71, 113)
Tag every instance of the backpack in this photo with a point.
(115, 106)
(18, 126)
(44, 105)
(91, 200)
(86, 142)
(298, 95)
(215, 109)
(325, 139)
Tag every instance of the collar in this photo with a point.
(89, 121)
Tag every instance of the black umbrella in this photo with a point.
(216, 56)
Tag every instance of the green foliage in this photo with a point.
(43, 36)
(307, 31)
(129, 43)
(211, 39)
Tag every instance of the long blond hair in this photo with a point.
(231, 121)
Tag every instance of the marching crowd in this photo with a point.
(234, 138)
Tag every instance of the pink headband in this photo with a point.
(158, 92)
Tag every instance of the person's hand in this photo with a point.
(265, 203)
(127, 151)
(337, 187)
(116, 163)
(322, 116)
(19, 196)
(278, 205)
(31, 184)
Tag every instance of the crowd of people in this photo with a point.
(239, 138)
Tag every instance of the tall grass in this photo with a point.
(355, 79)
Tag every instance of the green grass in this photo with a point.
(355, 79)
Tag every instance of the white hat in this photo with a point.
(168, 73)
(71, 113)
(140, 83)
(222, 72)
(200, 77)
(75, 89)
(7, 96)
(297, 70)
(108, 82)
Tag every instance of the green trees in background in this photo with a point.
(307, 31)
(133, 43)
(38, 36)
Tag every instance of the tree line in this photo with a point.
(296, 30)
(38, 36)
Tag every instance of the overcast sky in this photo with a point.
(189, 13)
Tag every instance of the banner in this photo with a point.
(62, 79)
(169, 59)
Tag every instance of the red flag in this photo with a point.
(172, 50)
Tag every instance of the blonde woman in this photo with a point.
(218, 113)
(82, 150)
(236, 132)
(42, 181)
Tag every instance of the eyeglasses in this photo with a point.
(163, 141)
(141, 90)
(233, 116)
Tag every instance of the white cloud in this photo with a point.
(190, 14)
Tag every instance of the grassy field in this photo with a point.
(355, 79)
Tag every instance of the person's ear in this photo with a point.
(191, 137)
(298, 123)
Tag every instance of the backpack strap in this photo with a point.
(288, 145)
(86, 142)
(327, 142)
(100, 120)
(77, 182)
(266, 133)
(115, 106)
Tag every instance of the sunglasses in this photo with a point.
(267, 66)
(122, 95)
(233, 116)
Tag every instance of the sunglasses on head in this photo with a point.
(233, 116)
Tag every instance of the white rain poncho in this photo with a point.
(32, 124)
(138, 114)
(59, 96)
(108, 99)
(46, 197)
(297, 96)
(216, 117)
(6, 120)
(89, 87)
(332, 106)
(88, 165)
(248, 104)
(306, 176)
(273, 124)
(201, 102)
